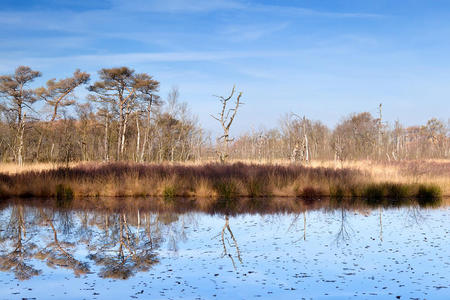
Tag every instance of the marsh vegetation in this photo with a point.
(217, 180)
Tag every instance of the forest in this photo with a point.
(123, 118)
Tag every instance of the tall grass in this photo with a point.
(210, 180)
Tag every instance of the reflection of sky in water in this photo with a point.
(409, 257)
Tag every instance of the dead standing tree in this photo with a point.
(225, 118)
(301, 149)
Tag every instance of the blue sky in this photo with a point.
(322, 59)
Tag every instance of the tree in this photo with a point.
(355, 137)
(149, 100)
(226, 118)
(18, 98)
(60, 93)
(123, 89)
(436, 136)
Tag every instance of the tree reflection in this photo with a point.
(295, 220)
(57, 253)
(15, 237)
(119, 241)
(226, 241)
(381, 223)
(344, 232)
(122, 252)
(414, 214)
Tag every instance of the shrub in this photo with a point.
(257, 188)
(428, 195)
(226, 189)
(337, 193)
(311, 193)
(169, 192)
(398, 191)
(63, 193)
(373, 192)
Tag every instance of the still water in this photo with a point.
(110, 251)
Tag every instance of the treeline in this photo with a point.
(124, 119)
(358, 137)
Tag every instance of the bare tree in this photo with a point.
(105, 114)
(356, 137)
(19, 98)
(225, 118)
(149, 101)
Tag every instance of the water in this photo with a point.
(105, 251)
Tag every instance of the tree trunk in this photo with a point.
(138, 138)
(124, 129)
(106, 144)
(119, 134)
(20, 146)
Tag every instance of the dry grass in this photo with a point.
(12, 168)
(213, 180)
(405, 172)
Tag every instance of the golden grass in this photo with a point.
(12, 168)
(406, 172)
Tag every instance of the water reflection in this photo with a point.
(345, 230)
(121, 237)
(227, 235)
(58, 253)
(17, 249)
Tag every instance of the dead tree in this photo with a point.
(301, 149)
(225, 118)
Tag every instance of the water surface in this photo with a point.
(137, 252)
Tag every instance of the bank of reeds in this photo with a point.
(210, 180)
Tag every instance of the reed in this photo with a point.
(228, 181)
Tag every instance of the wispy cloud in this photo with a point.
(178, 6)
(300, 11)
(140, 58)
(252, 32)
(198, 6)
(176, 56)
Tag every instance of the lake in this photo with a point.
(259, 248)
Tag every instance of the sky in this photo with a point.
(321, 59)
